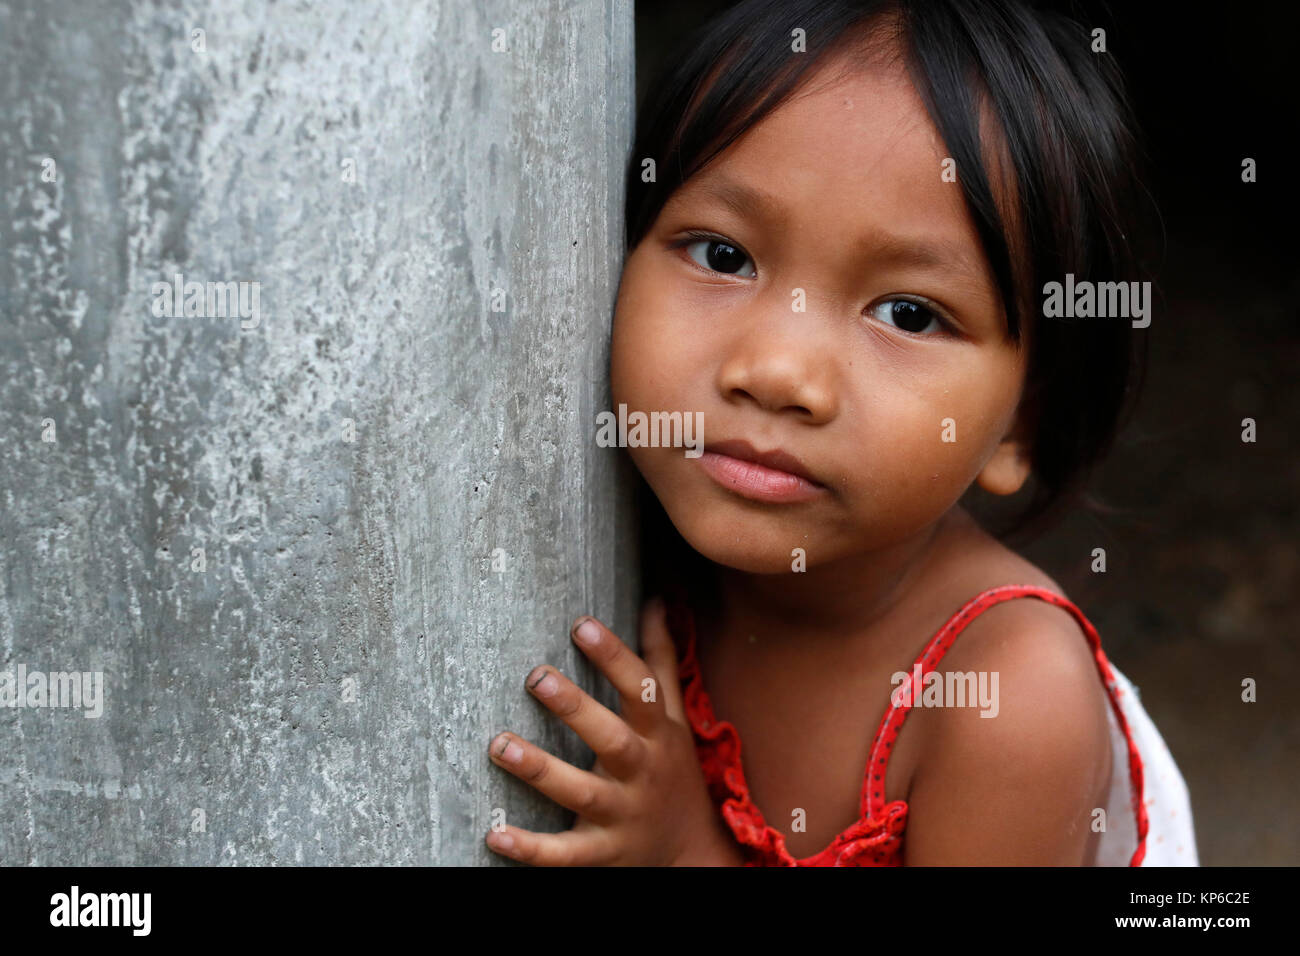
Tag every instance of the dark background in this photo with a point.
(1201, 589)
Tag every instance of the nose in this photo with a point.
(780, 373)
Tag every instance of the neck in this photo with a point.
(829, 600)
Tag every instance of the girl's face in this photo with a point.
(842, 313)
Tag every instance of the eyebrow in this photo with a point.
(748, 202)
(739, 198)
(931, 254)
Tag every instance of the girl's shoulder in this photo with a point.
(1024, 632)
(1046, 758)
(1040, 650)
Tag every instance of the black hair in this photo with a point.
(1073, 202)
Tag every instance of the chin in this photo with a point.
(752, 543)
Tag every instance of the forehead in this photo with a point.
(862, 125)
(852, 155)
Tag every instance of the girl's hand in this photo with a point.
(645, 801)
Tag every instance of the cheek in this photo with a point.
(656, 353)
(921, 437)
(631, 334)
(637, 373)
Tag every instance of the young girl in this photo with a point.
(840, 217)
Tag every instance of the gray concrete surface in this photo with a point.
(434, 229)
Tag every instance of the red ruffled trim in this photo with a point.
(875, 840)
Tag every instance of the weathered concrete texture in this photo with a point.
(482, 178)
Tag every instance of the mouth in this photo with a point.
(771, 476)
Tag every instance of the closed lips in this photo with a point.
(775, 460)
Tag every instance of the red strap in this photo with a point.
(873, 786)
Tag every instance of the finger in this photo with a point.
(632, 677)
(619, 747)
(583, 792)
(660, 654)
(589, 848)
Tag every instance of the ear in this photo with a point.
(1007, 470)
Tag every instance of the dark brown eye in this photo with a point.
(719, 256)
(908, 315)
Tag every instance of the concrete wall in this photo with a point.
(435, 230)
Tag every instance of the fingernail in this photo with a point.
(588, 632)
(547, 686)
(501, 841)
(504, 748)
